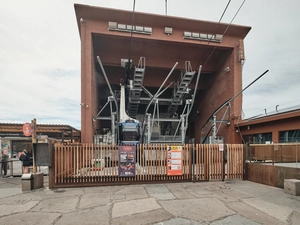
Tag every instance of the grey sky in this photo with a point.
(40, 53)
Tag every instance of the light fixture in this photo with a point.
(82, 104)
(195, 35)
(202, 36)
(227, 69)
(124, 63)
(139, 28)
(114, 26)
(168, 30)
(121, 26)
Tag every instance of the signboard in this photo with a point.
(127, 160)
(221, 147)
(42, 155)
(27, 129)
(174, 159)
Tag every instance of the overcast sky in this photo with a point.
(40, 53)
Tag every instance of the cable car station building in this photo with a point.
(172, 74)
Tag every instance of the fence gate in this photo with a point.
(93, 165)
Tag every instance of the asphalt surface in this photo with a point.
(213, 202)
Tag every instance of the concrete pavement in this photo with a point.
(212, 202)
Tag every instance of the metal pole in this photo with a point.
(195, 90)
(229, 100)
(148, 131)
(214, 130)
(34, 141)
(182, 130)
(108, 84)
(155, 96)
(296, 154)
(166, 5)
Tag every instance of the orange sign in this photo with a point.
(27, 129)
(174, 157)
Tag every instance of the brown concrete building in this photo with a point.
(163, 41)
(276, 127)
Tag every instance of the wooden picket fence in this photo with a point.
(90, 165)
(279, 152)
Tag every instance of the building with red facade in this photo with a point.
(280, 126)
(165, 50)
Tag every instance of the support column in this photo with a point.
(86, 83)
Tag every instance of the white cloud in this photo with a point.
(40, 53)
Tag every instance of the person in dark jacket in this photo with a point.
(4, 158)
(25, 158)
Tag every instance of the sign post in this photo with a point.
(33, 122)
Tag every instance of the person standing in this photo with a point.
(25, 158)
(4, 160)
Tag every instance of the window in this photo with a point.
(260, 138)
(289, 136)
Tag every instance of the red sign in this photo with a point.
(27, 129)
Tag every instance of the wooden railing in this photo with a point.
(285, 152)
(87, 164)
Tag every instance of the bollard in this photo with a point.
(27, 182)
(38, 180)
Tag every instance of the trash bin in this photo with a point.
(27, 182)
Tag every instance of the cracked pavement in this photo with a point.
(205, 203)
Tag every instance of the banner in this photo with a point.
(127, 160)
(174, 159)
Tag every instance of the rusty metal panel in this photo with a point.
(264, 174)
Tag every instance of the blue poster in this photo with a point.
(127, 160)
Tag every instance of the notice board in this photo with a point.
(174, 159)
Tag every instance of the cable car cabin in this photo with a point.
(129, 132)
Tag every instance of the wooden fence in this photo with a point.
(90, 165)
(281, 153)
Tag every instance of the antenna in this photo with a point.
(166, 7)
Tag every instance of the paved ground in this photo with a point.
(214, 202)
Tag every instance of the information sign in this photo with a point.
(127, 160)
(174, 159)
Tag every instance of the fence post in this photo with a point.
(296, 154)
(193, 162)
(273, 155)
(223, 161)
(51, 168)
(245, 167)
